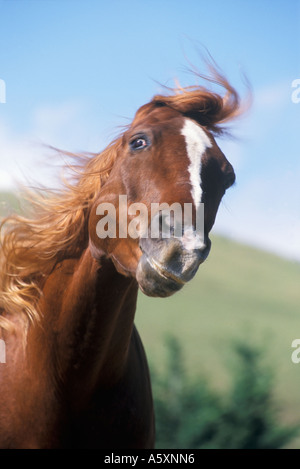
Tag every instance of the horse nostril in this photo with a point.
(172, 257)
(176, 260)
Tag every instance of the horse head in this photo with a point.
(167, 157)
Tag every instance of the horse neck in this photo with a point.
(88, 315)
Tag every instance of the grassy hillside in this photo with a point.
(240, 293)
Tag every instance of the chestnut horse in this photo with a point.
(75, 372)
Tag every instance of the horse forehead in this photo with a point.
(197, 140)
(161, 118)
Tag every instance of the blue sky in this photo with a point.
(76, 70)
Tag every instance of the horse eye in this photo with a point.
(138, 143)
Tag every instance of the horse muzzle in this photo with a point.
(166, 265)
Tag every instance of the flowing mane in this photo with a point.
(201, 104)
(56, 227)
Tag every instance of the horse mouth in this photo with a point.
(160, 279)
(165, 273)
(154, 280)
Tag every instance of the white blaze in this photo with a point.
(196, 143)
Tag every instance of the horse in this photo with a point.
(75, 372)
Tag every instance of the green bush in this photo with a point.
(190, 415)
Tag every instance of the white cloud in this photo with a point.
(263, 208)
(6, 181)
(59, 124)
(273, 96)
(264, 213)
(18, 158)
(25, 156)
(269, 109)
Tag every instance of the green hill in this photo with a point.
(239, 293)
